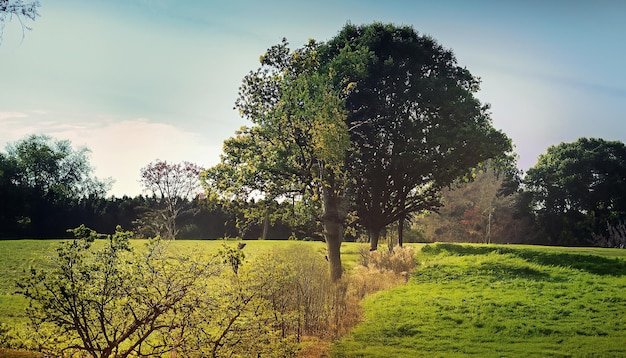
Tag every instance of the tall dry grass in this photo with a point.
(377, 271)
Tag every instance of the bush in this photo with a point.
(112, 300)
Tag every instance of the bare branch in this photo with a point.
(21, 10)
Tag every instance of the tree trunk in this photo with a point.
(266, 224)
(374, 234)
(333, 229)
(489, 227)
(400, 231)
(333, 243)
(170, 225)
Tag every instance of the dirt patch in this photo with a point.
(12, 353)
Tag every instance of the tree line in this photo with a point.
(47, 186)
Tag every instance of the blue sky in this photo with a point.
(137, 80)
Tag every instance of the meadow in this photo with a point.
(18, 256)
(499, 301)
(461, 300)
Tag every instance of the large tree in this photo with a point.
(415, 124)
(578, 188)
(43, 177)
(297, 143)
(378, 108)
(54, 167)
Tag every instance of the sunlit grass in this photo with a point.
(18, 256)
(463, 300)
(490, 301)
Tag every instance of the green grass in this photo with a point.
(18, 256)
(499, 301)
(463, 300)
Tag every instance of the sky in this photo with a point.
(140, 80)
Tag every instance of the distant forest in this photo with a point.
(52, 219)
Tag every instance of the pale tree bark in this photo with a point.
(266, 224)
(332, 221)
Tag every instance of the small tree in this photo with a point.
(486, 209)
(174, 185)
(111, 300)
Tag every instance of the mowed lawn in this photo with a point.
(499, 301)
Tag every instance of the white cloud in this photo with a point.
(12, 115)
(119, 148)
(13, 126)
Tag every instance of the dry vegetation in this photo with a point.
(376, 271)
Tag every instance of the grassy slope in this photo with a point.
(499, 301)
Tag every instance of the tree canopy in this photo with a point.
(415, 124)
(298, 140)
(578, 188)
(53, 167)
(39, 178)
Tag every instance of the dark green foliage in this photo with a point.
(47, 186)
(42, 180)
(53, 168)
(415, 125)
(577, 189)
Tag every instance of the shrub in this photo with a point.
(4, 336)
(111, 300)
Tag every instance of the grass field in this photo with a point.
(462, 300)
(18, 256)
(499, 301)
